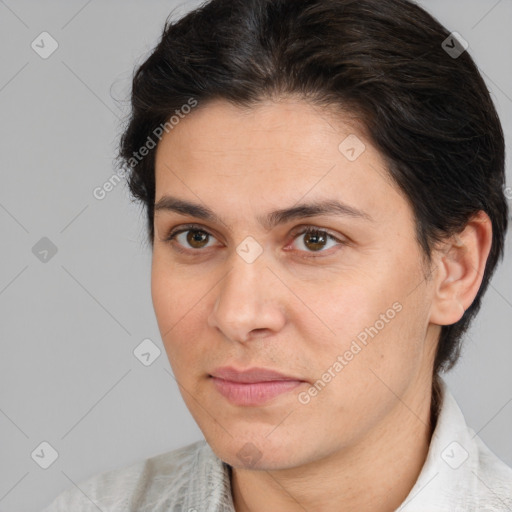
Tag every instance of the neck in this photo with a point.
(376, 475)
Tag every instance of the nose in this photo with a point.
(249, 302)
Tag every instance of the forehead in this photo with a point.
(283, 130)
(274, 153)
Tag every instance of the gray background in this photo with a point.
(69, 325)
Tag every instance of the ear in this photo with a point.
(460, 262)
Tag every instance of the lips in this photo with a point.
(251, 375)
(252, 387)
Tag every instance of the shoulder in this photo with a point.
(493, 480)
(460, 472)
(155, 484)
(482, 479)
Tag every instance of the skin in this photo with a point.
(360, 443)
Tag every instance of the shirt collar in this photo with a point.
(448, 476)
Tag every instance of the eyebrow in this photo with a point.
(271, 219)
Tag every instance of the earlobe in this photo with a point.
(461, 262)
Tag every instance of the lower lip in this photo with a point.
(255, 393)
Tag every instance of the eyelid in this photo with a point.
(186, 227)
(307, 228)
(296, 230)
(302, 228)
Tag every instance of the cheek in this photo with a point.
(175, 302)
(378, 316)
(164, 296)
(348, 305)
(378, 348)
(175, 291)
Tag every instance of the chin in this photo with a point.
(256, 452)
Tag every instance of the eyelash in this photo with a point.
(197, 252)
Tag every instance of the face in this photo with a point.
(342, 312)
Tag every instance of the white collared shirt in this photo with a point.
(460, 474)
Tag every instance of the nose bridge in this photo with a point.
(242, 288)
(243, 302)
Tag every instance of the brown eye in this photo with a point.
(195, 241)
(189, 238)
(315, 240)
(196, 238)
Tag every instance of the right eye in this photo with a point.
(192, 235)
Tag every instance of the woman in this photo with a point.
(323, 181)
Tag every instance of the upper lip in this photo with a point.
(250, 375)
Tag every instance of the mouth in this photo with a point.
(252, 387)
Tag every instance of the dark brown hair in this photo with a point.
(426, 109)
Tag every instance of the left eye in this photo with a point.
(314, 240)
